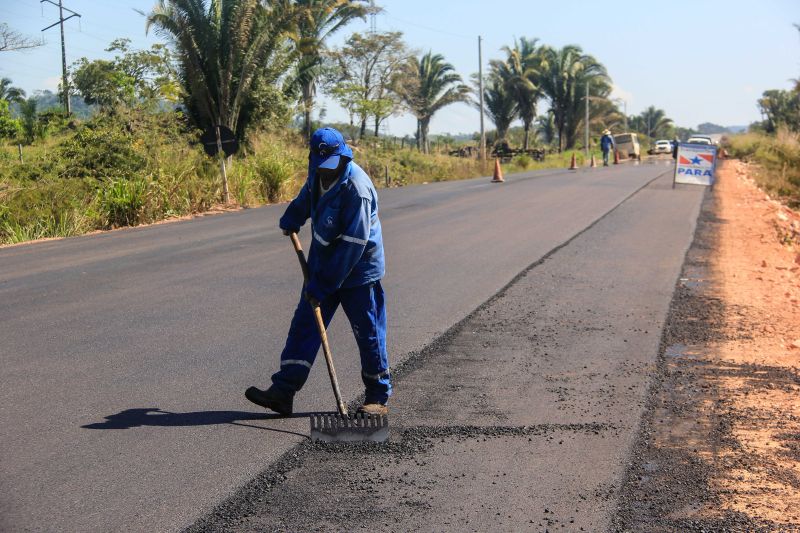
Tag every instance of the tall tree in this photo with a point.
(135, 77)
(12, 94)
(500, 105)
(12, 40)
(364, 75)
(780, 108)
(652, 122)
(319, 19)
(564, 75)
(223, 47)
(32, 127)
(429, 84)
(9, 127)
(520, 73)
(546, 127)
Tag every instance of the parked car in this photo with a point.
(662, 146)
(628, 145)
(700, 139)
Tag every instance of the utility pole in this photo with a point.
(586, 142)
(482, 149)
(61, 19)
(373, 26)
(625, 104)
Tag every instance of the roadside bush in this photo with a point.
(123, 202)
(274, 173)
(523, 161)
(101, 151)
(45, 209)
(778, 155)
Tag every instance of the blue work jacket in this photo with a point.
(606, 143)
(346, 246)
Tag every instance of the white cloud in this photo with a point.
(619, 92)
(51, 83)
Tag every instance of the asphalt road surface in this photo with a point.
(124, 355)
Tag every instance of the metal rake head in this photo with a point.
(359, 427)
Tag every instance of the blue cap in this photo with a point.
(327, 147)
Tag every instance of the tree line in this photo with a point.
(250, 63)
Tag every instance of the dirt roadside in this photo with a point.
(719, 449)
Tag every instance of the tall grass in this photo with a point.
(125, 171)
(779, 159)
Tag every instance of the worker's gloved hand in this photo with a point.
(310, 299)
(288, 232)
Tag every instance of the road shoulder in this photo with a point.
(719, 449)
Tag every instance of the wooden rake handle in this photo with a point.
(326, 348)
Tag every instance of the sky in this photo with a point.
(698, 60)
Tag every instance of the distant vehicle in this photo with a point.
(662, 146)
(628, 145)
(700, 139)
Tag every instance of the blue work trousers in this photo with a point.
(605, 157)
(364, 307)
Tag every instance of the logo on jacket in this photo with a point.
(329, 221)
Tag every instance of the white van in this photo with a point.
(628, 145)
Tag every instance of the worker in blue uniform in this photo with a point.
(346, 264)
(606, 145)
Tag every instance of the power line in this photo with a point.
(428, 28)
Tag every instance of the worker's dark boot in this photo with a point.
(273, 398)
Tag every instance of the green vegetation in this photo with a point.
(779, 158)
(431, 84)
(138, 168)
(774, 144)
(129, 154)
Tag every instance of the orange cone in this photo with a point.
(498, 172)
(593, 164)
(573, 165)
(616, 157)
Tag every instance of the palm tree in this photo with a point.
(546, 127)
(429, 85)
(520, 72)
(9, 93)
(564, 75)
(319, 19)
(653, 122)
(500, 105)
(224, 47)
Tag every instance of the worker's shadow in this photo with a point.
(152, 416)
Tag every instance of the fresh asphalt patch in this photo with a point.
(521, 417)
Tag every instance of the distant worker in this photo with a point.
(346, 264)
(675, 143)
(606, 145)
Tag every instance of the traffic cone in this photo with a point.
(593, 164)
(498, 172)
(616, 157)
(573, 165)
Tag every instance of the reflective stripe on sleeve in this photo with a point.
(320, 239)
(296, 362)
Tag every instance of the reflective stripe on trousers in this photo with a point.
(366, 311)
